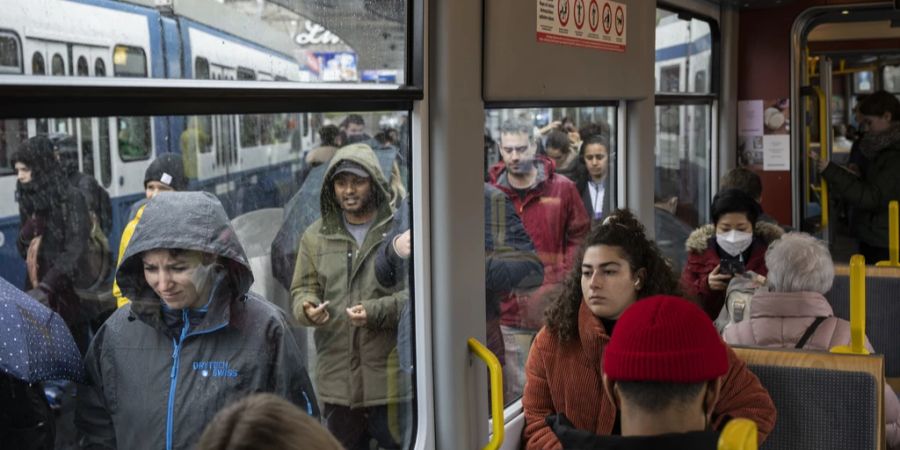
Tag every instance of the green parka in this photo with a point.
(870, 195)
(356, 366)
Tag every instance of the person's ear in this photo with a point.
(640, 278)
(887, 116)
(711, 397)
(612, 391)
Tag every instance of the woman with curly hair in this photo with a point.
(616, 266)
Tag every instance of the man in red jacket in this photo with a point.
(555, 219)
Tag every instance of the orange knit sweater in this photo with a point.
(565, 378)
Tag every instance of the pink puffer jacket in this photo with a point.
(779, 320)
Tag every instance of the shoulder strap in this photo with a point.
(810, 331)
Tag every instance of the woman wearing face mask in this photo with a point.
(616, 267)
(735, 243)
(878, 183)
(192, 339)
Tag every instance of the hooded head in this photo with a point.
(66, 149)
(191, 222)
(39, 189)
(354, 159)
(165, 173)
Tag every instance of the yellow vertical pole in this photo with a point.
(893, 237)
(857, 308)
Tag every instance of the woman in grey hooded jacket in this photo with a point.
(192, 340)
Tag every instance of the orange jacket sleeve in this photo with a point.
(536, 400)
(742, 395)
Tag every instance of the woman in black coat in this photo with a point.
(53, 237)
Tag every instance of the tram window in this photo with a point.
(37, 64)
(521, 146)
(12, 133)
(10, 59)
(99, 68)
(686, 45)
(129, 61)
(684, 64)
(133, 137)
(58, 65)
(891, 77)
(82, 69)
(250, 135)
(863, 82)
(105, 152)
(244, 73)
(87, 145)
(201, 68)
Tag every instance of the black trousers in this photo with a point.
(355, 428)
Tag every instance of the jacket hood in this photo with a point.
(546, 170)
(364, 156)
(698, 241)
(186, 221)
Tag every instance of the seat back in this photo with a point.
(882, 310)
(823, 400)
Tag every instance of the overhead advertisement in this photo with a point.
(596, 24)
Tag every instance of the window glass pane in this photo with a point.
(99, 68)
(105, 152)
(305, 41)
(83, 70)
(681, 182)
(683, 54)
(87, 145)
(12, 133)
(9, 54)
(201, 69)
(129, 62)
(134, 138)
(273, 226)
(59, 65)
(37, 64)
(549, 173)
(245, 74)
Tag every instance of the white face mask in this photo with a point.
(734, 242)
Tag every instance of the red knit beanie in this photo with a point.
(665, 339)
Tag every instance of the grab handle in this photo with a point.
(496, 373)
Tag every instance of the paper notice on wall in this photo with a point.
(596, 24)
(776, 152)
(750, 118)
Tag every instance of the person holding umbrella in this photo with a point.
(193, 338)
(35, 346)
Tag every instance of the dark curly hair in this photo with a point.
(621, 229)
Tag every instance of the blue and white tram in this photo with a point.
(222, 154)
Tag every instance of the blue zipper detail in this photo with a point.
(170, 412)
(309, 409)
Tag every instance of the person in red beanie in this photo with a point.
(663, 370)
(617, 268)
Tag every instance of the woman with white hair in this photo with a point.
(794, 313)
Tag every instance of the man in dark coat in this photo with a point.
(54, 232)
(96, 198)
(663, 367)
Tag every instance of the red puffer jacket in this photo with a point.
(556, 221)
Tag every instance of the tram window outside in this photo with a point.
(99, 68)
(12, 133)
(87, 146)
(37, 64)
(360, 355)
(134, 137)
(10, 57)
(129, 61)
(58, 66)
(550, 172)
(105, 152)
(685, 106)
(82, 69)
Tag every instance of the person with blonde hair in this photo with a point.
(265, 421)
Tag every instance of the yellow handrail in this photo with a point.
(738, 434)
(857, 309)
(893, 237)
(496, 372)
(823, 151)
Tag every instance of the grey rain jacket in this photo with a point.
(156, 376)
